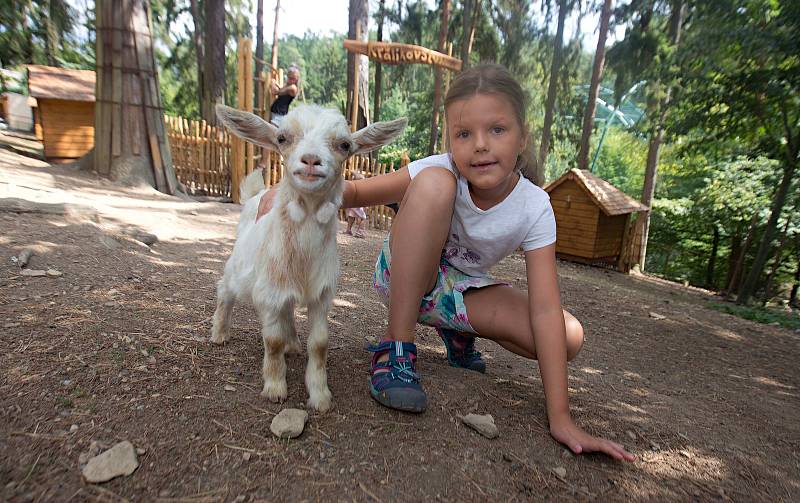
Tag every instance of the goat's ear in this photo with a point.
(248, 126)
(378, 134)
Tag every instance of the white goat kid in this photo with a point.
(289, 257)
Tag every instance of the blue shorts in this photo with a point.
(443, 306)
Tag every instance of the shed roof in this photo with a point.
(609, 198)
(49, 82)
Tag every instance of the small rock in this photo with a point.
(289, 423)
(631, 434)
(482, 424)
(145, 237)
(119, 460)
(109, 242)
(110, 303)
(54, 273)
(655, 446)
(228, 387)
(73, 428)
(246, 456)
(685, 454)
(657, 316)
(140, 451)
(34, 273)
(560, 472)
(164, 493)
(240, 499)
(24, 257)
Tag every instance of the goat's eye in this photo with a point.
(281, 139)
(345, 145)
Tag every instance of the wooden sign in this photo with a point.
(396, 54)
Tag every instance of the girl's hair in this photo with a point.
(492, 78)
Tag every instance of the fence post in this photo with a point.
(244, 101)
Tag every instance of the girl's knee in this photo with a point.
(575, 335)
(435, 184)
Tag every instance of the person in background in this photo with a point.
(286, 94)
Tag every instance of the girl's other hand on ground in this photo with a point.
(265, 204)
(578, 441)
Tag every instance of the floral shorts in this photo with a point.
(442, 307)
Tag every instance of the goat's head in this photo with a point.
(314, 141)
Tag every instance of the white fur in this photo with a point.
(277, 273)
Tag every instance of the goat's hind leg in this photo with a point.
(319, 396)
(277, 326)
(220, 331)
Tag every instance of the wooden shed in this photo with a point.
(64, 110)
(593, 218)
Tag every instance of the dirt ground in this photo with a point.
(116, 349)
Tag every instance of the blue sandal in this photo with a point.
(394, 383)
(461, 352)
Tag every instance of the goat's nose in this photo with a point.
(310, 160)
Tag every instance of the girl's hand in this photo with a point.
(265, 204)
(579, 441)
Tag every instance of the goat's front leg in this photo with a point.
(277, 325)
(220, 331)
(320, 397)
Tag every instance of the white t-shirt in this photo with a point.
(481, 238)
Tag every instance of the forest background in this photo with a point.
(714, 84)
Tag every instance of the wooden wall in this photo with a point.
(67, 128)
(609, 235)
(576, 220)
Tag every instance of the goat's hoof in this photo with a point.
(219, 338)
(274, 392)
(321, 402)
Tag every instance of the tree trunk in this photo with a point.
(594, 87)
(466, 34)
(376, 113)
(651, 171)
(552, 89)
(274, 55)
(796, 285)
(437, 81)
(214, 64)
(358, 29)
(777, 262)
(259, 57)
(778, 201)
(130, 142)
(51, 40)
(733, 284)
(736, 246)
(197, 38)
(712, 260)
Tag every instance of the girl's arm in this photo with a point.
(382, 189)
(547, 322)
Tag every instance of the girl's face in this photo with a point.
(485, 140)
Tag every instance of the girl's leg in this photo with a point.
(359, 228)
(501, 313)
(418, 235)
(350, 225)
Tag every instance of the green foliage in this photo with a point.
(766, 316)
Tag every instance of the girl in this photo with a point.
(461, 213)
(285, 95)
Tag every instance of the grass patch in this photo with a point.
(760, 314)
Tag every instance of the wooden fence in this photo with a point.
(201, 155)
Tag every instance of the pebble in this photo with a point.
(289, 423)
(54, 273)
(560, 471)
(246, 456)
(631, 434)
(483, 424)
(119, 460)
(228, 387)
(657, 316)
(74, 427)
